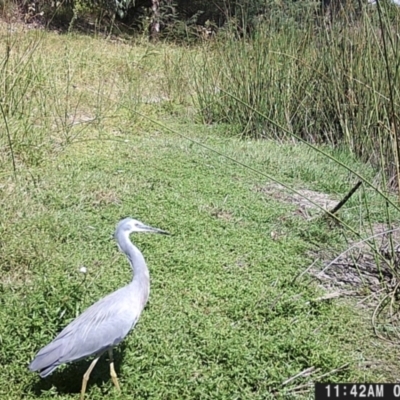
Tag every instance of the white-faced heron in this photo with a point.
(106, 323)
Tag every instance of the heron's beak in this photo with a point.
(150, 229)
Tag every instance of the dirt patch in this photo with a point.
(104, 197)
(221, 214)
(368, 263)
(369, 269)
(306, 200)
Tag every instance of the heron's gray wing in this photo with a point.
(101, 326)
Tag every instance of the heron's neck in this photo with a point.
(135, 257)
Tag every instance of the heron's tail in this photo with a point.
(46, 361)
(45, 371)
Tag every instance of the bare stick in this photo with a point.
(332, 372)
(306, 372)
(345, 198)
(305, 271)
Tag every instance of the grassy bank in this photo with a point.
(226, 318)
(325, 83)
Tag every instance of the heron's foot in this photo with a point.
(86, 377)
(114, 376)
(83, 389)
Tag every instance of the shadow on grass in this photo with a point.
(68, 380)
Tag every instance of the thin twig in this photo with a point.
(387, 299)
(357, 244)
(329, 296)
(305, 271)
(345, 199)
(298, 389)
(306, 372)
(332, 372)
(10, 142)
(371, 296)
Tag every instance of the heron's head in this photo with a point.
(130, 225)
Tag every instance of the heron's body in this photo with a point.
(106, 323)
(96, 330)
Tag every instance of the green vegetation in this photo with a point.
(330, 86)
(95, 130)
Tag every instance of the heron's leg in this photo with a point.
(86, 377)
(113, 374)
